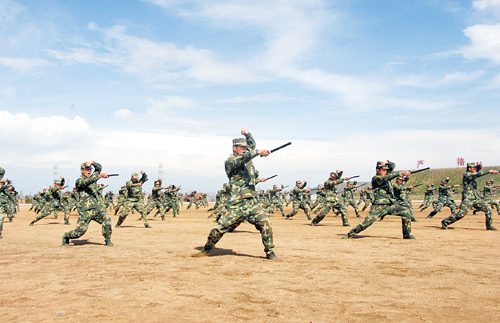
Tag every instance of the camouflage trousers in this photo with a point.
(493, 204)
(191, 202)
(329, 205)
(299, 205)
(46, 211)
(467, 204)
(174, 206)
(119, 204)
(352, 203)
(249, 210)
(158, 205)
(278, 206)
(367, 204)
(440, 203)
(377, 211)
(130, 205)
(428, 201)
(98, 215)
(3, 210)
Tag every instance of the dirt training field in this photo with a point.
(151, 276)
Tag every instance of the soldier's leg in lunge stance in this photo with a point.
(104, 220)
(139, 207)
(375, 212)
(294, 211)
(259, 218)
(46, 211)
(460, 214)
(232, 219)
(127, 206)
(324, 211)
(438, 207)
(306, 210)
(82, 225)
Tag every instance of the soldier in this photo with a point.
(385, 201)
(122, 196)
(192, 200)
(429, 198)
(471, 197)
(298, 197)
(369, 198)
(135, 199)
(108, 200)
(488, 195)
(244, 205)
(67, 205)
(275, 198)
(53, 204)
(171, 200)
(348, 195)
(89, 206)
(155, 200)
(401, 193)
(332, 201)
(4, 199)
(445, 198)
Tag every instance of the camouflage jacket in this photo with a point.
(382, 187)
(331, 189)
(242, 173)
(134, 190)
(469, 183)
(429, 192)
(86, 187)
(488, 192)
(298, 194)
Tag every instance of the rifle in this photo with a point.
(110, 175)
(419, 170)
(355, 176)
(271, 177)
(285, 186)
(282, 146)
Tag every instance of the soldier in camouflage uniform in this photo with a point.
(108, 200)
(243, 205)
(299, 199)
(66, 205)
(332, 201)
(471, 197)
(155, 201)
(488, 191)
(192, 200)
(369, 198)
(4, 198)
(385, 201)
(348, 195)
(89, 206)
(445, 198)
(275, 198)
(429, 198)
(53, 204)
(171, 200)
(401, 193)
(135, 199)
(122, 196)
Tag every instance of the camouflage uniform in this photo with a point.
(108, 201)
(122, 196)
(4, 198)
(348, 195)
(385, 203)
(192, 200)
(243, 204)
(445, 198)
(488, 197)
(66, 205)
(89, 208)
(134, 200)
(369, 198)
(429, 198)
(53, 202)
(332, 201)
(299, 200)
(276, 200)
(155, 200)
(471, 198)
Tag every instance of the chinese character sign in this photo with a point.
(420, 162)
(460, 161)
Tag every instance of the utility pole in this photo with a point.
(160, 171)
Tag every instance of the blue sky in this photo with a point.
(132, 84)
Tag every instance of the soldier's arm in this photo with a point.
(144, 177)
(250, 141)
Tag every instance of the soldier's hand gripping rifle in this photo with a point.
(280, 147)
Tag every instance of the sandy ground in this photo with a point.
(151, 276)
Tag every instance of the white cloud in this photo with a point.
(8, 92)
(22, 64)
(127, 115)
(268, 97)
(485, 42)
(492, 6)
